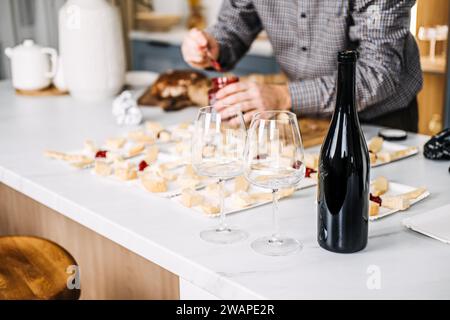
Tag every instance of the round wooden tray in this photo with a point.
(47, 92)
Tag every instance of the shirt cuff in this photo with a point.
(305, 96)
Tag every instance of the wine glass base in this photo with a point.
(223, 235)
(282, 246)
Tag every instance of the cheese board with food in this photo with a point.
(240, 195)
(388, 197)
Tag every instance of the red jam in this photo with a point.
(217, 84)
(101, 154)
(375, 199)
(142, 165)
(309, 171)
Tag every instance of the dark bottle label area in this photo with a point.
(344, 169)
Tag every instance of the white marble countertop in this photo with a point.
(260, 47)
(411, 266)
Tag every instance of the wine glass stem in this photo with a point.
(276, 232)
(222, 225)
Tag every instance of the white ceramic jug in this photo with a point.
(92, 49)
(32, 66)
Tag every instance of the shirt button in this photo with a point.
(304, 49)
(303, 15)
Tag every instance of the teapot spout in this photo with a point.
(8, 52)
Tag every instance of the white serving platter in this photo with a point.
(230, 208)
(391, 147)
(397, 189)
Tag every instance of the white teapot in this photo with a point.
(33, 67)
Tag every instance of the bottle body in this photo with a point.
(344, 174)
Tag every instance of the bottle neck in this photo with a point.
(346, 96)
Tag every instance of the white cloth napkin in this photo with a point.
(434, 224)
(126, 110)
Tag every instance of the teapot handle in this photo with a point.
(53, 62)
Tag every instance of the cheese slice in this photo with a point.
(210, 208)
(372, 157)
(115, 143)
(395, 202)
(82, 163)
(402, 153)
(380, 186)
(262, 196)
(164, 136)
(241, 199)
(375, 144)
(55, 155)
(125, 170)
(151, 154)
(213, 190)
(191, 198)
(76, 158)
(187, 182)
(140, 136)
(311, 160)
(285, 193)
(241, 184)
(136, 150)
(374, 209)
(153, 127)
(90, 147)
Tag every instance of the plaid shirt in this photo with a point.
(306, 36)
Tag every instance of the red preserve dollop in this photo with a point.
(142, 165)
(101, 154)
(375, 199)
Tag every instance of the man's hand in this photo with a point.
(196, 46)
(252, 98)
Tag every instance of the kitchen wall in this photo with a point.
(27, 19)
(211, 8)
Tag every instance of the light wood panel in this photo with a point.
(108, 271)
(432, 97)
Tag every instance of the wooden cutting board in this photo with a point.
(313, 131)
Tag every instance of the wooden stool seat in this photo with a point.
(34, 268)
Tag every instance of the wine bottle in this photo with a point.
(344, 168)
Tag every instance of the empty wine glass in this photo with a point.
(273, 159)
(218, 152)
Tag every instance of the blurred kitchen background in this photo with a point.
(154, 29)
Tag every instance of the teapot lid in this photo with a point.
(28, 43)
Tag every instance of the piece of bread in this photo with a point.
(102, 168)
(153, 183)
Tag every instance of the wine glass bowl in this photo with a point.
(218, 152)
(273, 159)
